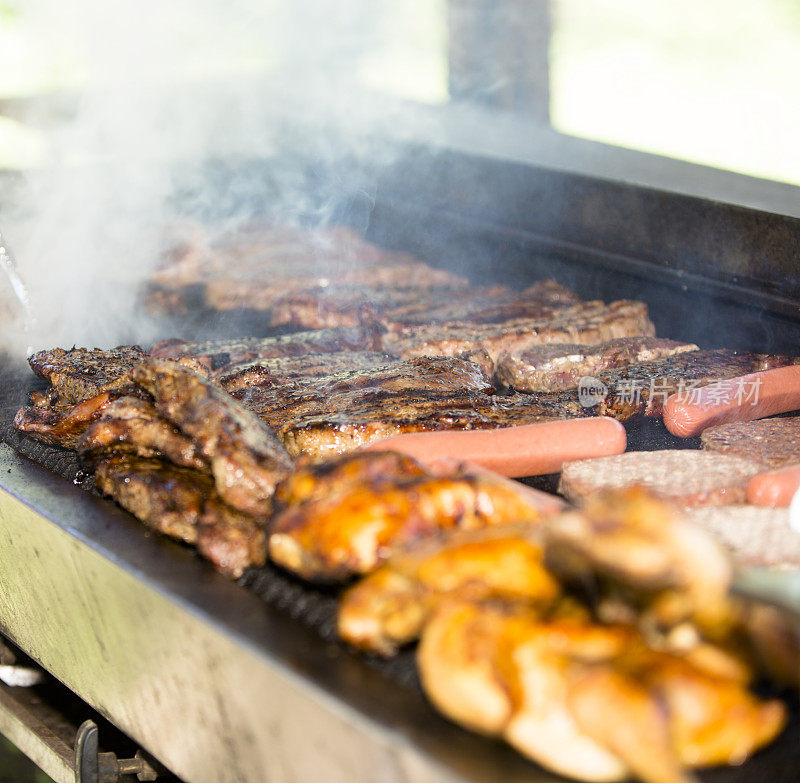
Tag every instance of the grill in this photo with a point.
(246, 682)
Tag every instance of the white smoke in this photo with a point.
(165, 87)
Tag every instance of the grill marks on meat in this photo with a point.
(772, 442)
(587, 322)
(644, 387)
(549, 368)
(220, 354)
(80, 373)
(330, 538)
(296, 371)
(133, 425)
(62, 426)
(342, 411)
(246, 458)
(184, 504)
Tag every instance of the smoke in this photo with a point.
(165, 89)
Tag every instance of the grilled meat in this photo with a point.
(550, 368)
(587, 701)
(317, 480)
(247, 460)
(333, 538)
(771, 442)
(637, 541)
(644, 387)
(80, 373)
(220, 354)
(62, 426)
(297, 371)
(334, 413)
(587, 322)
(132, 425)
(390, 606)
(401, 308)
(752, 535)
(184, 504)
(688, 478)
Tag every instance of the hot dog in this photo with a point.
(529, 450)
(745, 398)
(775, 488)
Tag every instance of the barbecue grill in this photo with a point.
(246, 682)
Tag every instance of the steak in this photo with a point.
(217, 355)
(296, 371)
(645, 387)
(62, 426)
(549, 368)
(339, 412)
(753, 535)
(687, 477)
(133, 426)
(400, 308)
(184, 504)
(80, 373)
(587, 322)
(332, 538)
(246, 458)
(772, 442)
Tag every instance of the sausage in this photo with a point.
(529, 450)
(745, 398)
(775, 488)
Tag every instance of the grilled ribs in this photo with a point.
(246, 458)
(133, 425)
(184, 504)
(550, 368)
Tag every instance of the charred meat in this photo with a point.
(586, 322)
(246, 458)
(220, 354)
(80, 373)
(183, 503)
(62, 426)
(133, 426)
(550, 368)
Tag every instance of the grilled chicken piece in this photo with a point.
(134, 426)
(587, 701)
(318, 480)
(586, 322)
(62, 426)
(80, 373)
(246, 458)
(389, 607)
(645, 545)
(184, 504)
(332, 538)
(217, 355)
(551, 368)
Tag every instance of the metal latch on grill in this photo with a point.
(91, 766)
